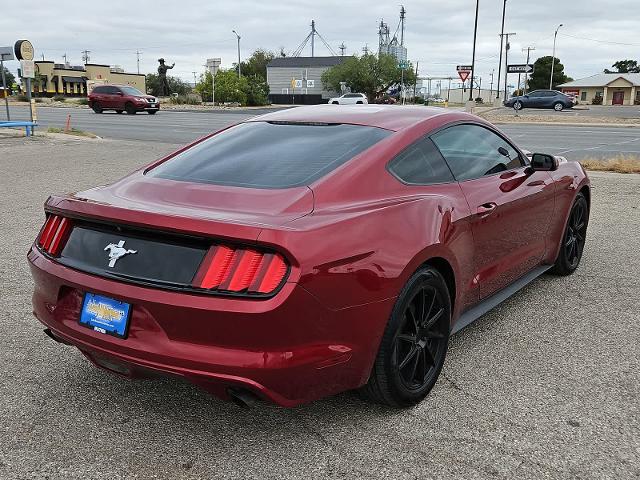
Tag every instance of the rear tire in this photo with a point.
(334, 103)
(517, 105)
(558, 107)
(119, 111)
(414, 343)
(96, 107)
(574, 238)
(130, 109)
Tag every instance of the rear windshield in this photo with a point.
(270, 154)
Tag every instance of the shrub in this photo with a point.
(185, 100)
(21, 98)
(83, 101)
(479, 100)
(38, 100)
(597, 100)
(59, 98)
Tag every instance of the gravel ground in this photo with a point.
(545, 386)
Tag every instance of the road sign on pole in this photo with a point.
(6, 53)
(520, 68)
(464, 74)
(464, 68)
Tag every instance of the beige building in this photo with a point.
(64, 79)
(614, 88)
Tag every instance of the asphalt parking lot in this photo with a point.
(545, 386)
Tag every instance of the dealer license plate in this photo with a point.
(105, 315)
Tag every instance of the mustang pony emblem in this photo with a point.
(117, 251)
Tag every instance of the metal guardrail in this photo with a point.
(29, 126)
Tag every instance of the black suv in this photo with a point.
(541, 99)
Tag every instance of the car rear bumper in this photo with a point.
(289, 349)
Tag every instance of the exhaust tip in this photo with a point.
(242, 397)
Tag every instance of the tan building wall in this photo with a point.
(585, 95)
(56, 79)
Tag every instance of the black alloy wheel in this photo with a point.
(574, 238)
(414, 345)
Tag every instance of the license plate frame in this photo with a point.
(105, 315)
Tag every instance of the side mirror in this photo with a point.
(120, 94)
(542, 162)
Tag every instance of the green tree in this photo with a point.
(539, 79)
(9, 77)
(230, 88)
(176, 85)
(256, 64)
(624, 66)
(369, 74)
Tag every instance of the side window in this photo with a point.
(421, 164)
(111, 90)
(99, 90)
(473, 151)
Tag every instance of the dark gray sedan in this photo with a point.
(541, 99)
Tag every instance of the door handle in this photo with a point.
(486, 209)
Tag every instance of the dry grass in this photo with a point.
(619, 164)
(73, 131)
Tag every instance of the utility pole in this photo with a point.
(491, 87)
(504, 10)
(415, 82)
(506, 60)
(4, 84)
(138, 52)
(313, 37)
(236, 33)
(526, 74)
(65, 58)
(365, 49)
(553, 57)
(473, 56)
(194, 79)
(402, 16)
(85, 56)
(342, 48)
(449, 91)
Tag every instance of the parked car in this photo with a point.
(122, 98)
(306, 252)
(349, 99)
(541, 99)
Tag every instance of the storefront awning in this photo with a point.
(73, 79)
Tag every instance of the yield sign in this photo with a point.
(464, 75)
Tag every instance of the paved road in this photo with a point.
(545, 386)
(608, 111)
(181, 127)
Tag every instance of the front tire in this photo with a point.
(152, 112)
(558, 107)
(334, 103)
(574, 238)
(96, 107)
(414, 343)
(119, 111)
(130, 109)
(517, 105)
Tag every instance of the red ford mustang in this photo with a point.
(307, 252)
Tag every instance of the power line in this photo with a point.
(85, 56)
(600, 41)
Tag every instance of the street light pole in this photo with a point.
(504, 10)
(553, 57)
(239, 74)
(473, 56)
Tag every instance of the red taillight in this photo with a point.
(241, 270)
(54, 234)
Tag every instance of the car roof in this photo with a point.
(389, 117)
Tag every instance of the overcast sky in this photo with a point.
(438, 34)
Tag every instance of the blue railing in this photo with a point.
(29, 126)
